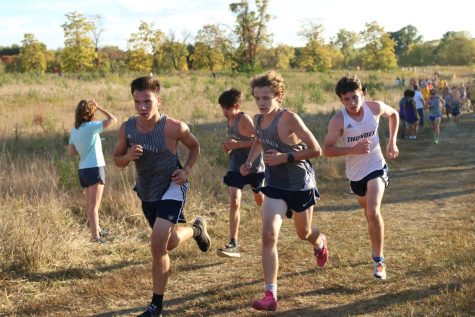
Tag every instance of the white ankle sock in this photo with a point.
(273, 289)
(320, 245)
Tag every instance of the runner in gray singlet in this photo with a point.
(297, 175)
(154, 170)
(151, 139)
(239, 140)
(290, 181)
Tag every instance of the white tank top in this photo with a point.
(360, 165)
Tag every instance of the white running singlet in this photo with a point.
(360, 165)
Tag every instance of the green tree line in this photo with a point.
(244, 46)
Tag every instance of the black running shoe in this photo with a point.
(203, 240)
(151, 311)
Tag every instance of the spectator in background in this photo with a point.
(411, 116)
(419, 99)
(435, 105)
(85, 141)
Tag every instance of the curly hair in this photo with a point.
(347, 84)
(85, 112)
(269, 79)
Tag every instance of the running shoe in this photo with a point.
(151, 311)
(379, 270)
(268, 302)
(323, 254)
(229, 251)
(203, 240)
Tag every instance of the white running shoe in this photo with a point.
(379, 270)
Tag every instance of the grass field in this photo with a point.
(48, 267)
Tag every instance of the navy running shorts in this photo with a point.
(360, 187)
(235, 179)
(297, 201)
(170, 207)
(92, 176)
(171, 210)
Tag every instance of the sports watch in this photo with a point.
(290, 157)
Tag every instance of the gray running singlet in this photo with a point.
(155, 167)
(295, 176)
(237, 157)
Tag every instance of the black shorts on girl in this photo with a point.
(235, 179)
(92, 176)
(297, 201)
(170, 207)
(360, 187)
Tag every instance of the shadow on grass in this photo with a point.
(72, 273)
(372, 305)
(193, 267)
(213, 297)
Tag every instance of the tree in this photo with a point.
(10, 50)
(279, 57)
(32, 54)
(378, 53)
(315, 56)
(346, 42)
(116, 57)
(419, 54)
(139, 60)
(96, 33)
(79, 52)
(456, 48)
(404, 39)
(173, 55)
(147, 40)
(53, 61)
(213, 49)
(97, 30)
(251, 31)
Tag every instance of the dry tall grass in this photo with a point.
(48, 267)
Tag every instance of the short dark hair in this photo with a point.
(145, 83)
(416, 87)
(409, 93)
(229, 98)
(347, 84)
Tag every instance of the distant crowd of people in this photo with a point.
(436, 95)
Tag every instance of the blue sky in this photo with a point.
(44, 18)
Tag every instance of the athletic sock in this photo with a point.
(157, 300)
(273, 289)
(378, 259)
(233, 242)
(320, 245)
